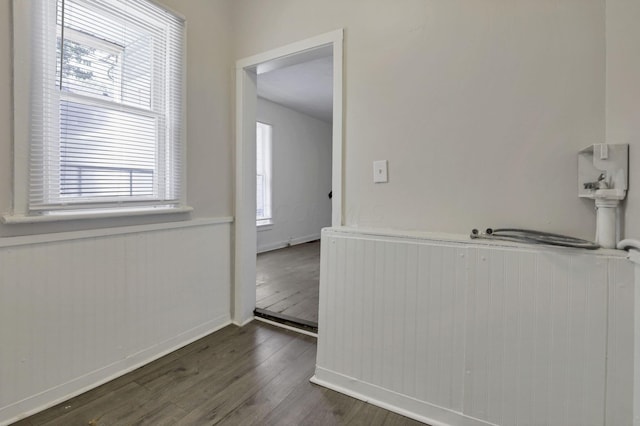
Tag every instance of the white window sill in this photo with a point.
(11, 219)
(264, 225)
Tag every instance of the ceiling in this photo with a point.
(306, 87)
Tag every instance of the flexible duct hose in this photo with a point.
(534, 237)
(629, 244)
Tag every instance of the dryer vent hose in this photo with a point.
(533, 237)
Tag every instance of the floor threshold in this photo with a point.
(287, 320)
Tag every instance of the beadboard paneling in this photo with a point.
(463, 333)
(536, 337)
(75, 313)
(620, 336)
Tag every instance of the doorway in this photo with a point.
(293, 187)
(247, 71)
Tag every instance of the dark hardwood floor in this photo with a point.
(254, 375)
(287, 281)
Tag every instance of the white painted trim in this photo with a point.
(634, 256)
(245, 236)
(286, 327)
(21, 31)
(286, 61)
(246, 98)
(266, 227)
(461, 239)
(291, 49)
(184, 137)
(271, 247)
(292, 242)
(337, 167)
(636, 351)
(103, 375)
(249, 320)
(403, 405)
(95, 233)
(17, 219)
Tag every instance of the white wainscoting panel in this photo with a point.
(462, 333)
(77, 312)
(620, 337)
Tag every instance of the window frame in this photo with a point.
(25, 29)
(267, 219)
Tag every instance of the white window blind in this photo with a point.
(106, 105)
(263, 174)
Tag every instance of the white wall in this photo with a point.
(479, 106)
(301, 164)
(623, 95)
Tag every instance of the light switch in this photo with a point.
(380, 171)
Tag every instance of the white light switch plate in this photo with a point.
(380, 171)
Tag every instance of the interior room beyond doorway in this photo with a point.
(287, 283)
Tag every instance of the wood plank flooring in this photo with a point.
(287, 281)
(254, 375)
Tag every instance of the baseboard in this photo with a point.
(398, 403)
(50, 397)
(242, 324)
(292, 242)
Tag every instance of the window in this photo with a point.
(104, 101)
(263, 174)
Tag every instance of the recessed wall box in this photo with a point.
(603, 171)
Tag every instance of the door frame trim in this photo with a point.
(247, 69)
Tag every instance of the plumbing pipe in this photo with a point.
(606, 222)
